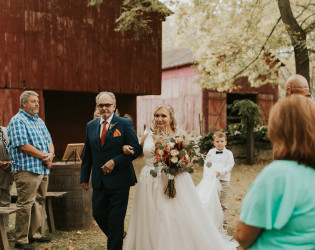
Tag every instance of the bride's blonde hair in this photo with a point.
(171, 111)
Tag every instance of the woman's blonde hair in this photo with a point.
(291, 129)
(171, 111)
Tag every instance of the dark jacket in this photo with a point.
(96, 156)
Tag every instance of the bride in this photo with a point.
(158, 222)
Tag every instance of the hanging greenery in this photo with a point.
(137, 15)
(249, 112)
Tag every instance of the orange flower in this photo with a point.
(157, 158)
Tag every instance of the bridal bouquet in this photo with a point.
(174, 155)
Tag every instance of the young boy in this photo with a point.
(222, 161)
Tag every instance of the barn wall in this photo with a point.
(10, 104)
(214, 103)
(179, 89)
(65, 45)
(70, 52)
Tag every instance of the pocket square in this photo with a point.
(117, 133)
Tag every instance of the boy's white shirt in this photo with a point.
(222, 163)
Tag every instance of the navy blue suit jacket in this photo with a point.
(95, 155)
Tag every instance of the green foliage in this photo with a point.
(248, 111)
(206, 142)
(231, 39)
(137, 15)
(236, 135)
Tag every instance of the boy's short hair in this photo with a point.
(219, 134)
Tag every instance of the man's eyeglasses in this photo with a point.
(106, 105)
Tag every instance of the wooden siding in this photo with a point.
(10, 105)
(179, 89)
(65, 45)
(265, 103)
(214, 107)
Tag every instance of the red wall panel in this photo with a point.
(65, 45)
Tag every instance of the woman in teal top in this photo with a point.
(278, 211)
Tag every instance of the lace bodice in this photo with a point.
(148, 150)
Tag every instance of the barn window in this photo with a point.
(231, 97)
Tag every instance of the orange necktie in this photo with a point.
(103, 133)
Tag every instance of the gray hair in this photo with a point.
(26, 95)
(107, 93)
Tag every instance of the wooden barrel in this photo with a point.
(74, 210)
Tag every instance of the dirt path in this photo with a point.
(93, 239)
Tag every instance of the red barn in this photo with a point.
(68, 52)
(198, 109)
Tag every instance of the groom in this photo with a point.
(113, 172)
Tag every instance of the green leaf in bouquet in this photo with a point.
(182, 152)
(155, 164)
(189, 170)
(153, 173)
(172, 171)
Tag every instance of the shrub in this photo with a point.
(236, 136)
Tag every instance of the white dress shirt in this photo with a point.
(222, 163)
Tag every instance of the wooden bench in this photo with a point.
(4, 244)
(49, 211)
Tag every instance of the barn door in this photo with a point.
(265, 102)
(214, 109)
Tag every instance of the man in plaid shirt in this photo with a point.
(31, 151)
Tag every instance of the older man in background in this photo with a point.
(31, 151)
(297, 84)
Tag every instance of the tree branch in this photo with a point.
(261, 49)
(310, 27)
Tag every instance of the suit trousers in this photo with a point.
(224, 199)
(109, 211)
(31, 194)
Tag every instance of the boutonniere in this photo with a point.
(111, 126)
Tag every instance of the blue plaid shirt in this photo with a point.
(25, 129)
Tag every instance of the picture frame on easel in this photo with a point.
(73, 152)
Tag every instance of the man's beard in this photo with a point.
(32, 112)
(105, 115)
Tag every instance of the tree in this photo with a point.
(232, 38)
(250, 118)
(298, 36)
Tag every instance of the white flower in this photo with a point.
(174, 152)
(160, 152)
(171, 144)
(174, 159)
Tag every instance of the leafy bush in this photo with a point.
(248, 111)
(237, 136)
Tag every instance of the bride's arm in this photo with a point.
(127, 149)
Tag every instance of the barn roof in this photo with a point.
(177, 58)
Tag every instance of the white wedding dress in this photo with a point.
(160, 223)
(208, 190)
